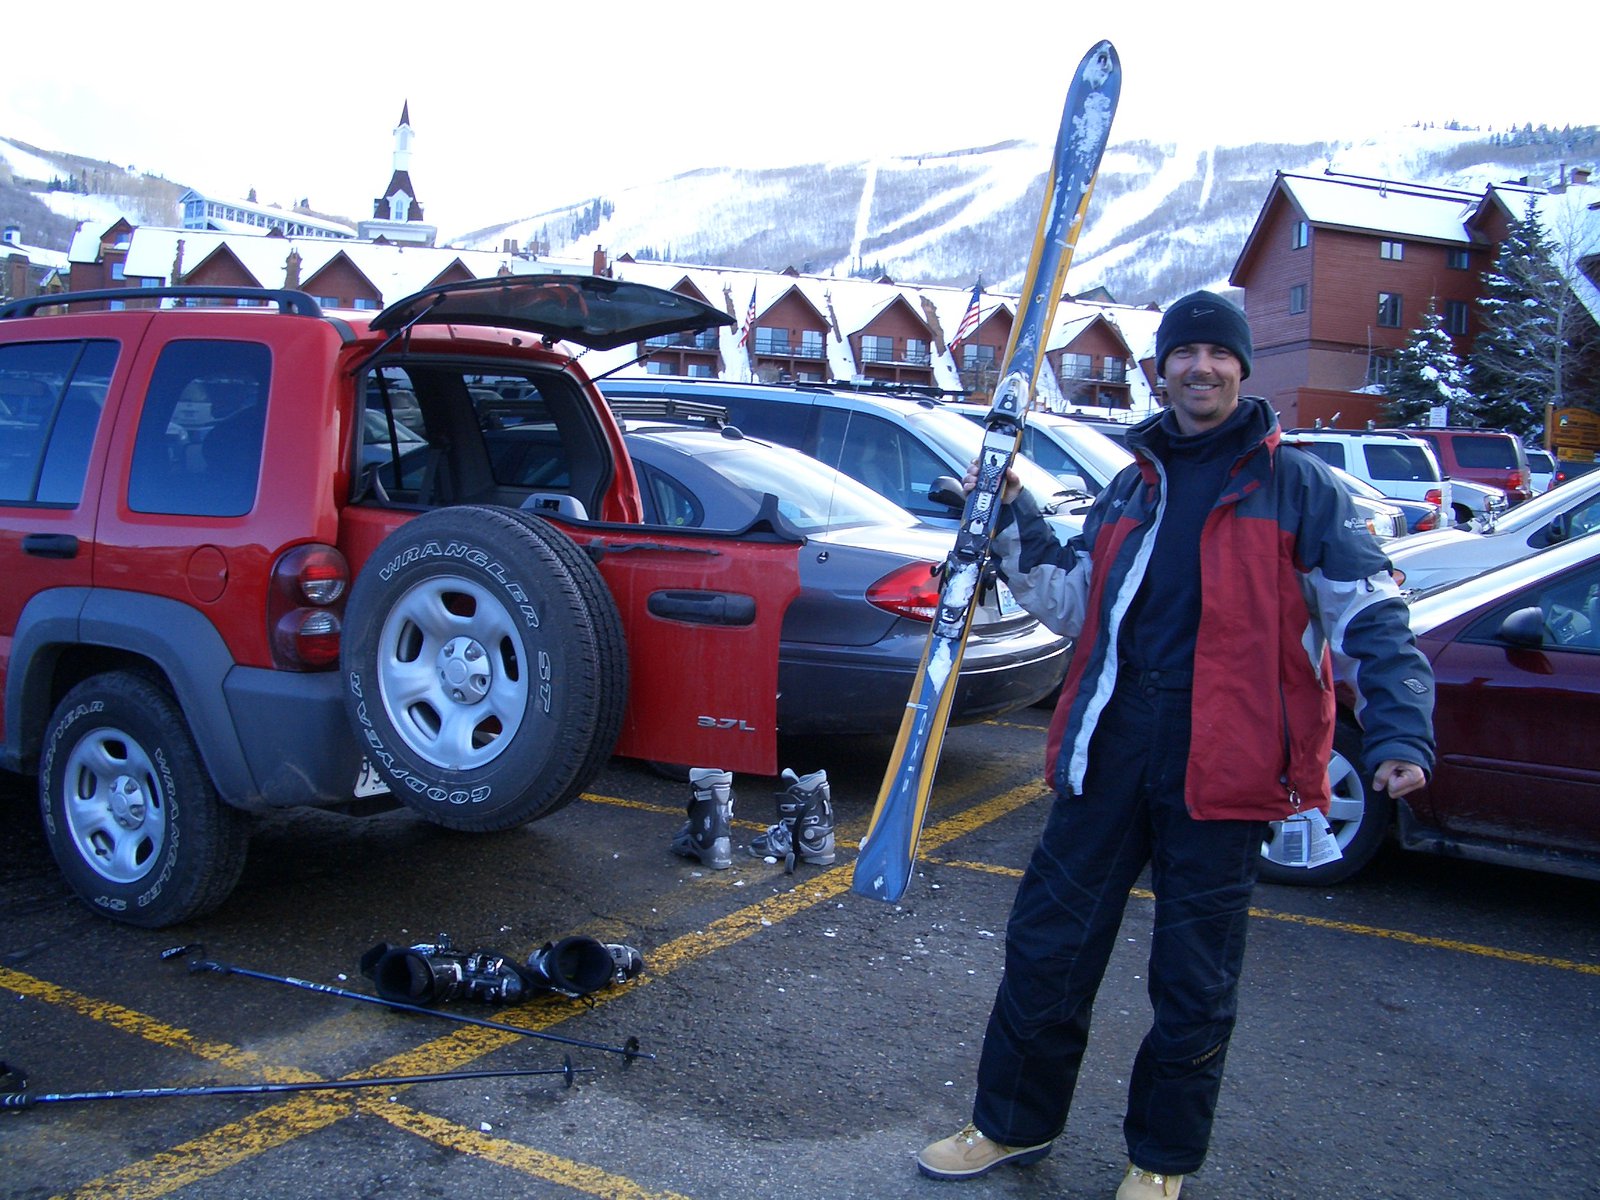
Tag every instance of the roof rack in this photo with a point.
(287, 300)
(691, 412)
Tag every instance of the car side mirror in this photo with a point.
(946, 490)
(1524, 628)
(1073, 483)
(1557, 530)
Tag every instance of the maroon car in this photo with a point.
(1516, 656)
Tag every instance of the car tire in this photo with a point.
(1360, 818)
(129, 811)
(484, 666)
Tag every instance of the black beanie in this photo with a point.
(1203, 317)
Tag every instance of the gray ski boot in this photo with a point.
(707, 834)
(805, 822)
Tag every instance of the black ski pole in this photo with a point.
(629, 1049)
(19, 1099)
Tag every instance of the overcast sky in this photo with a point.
(518, 106)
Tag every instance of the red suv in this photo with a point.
(255, 555)
(1487, 456)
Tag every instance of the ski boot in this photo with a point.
(804, 829)
(707, 834)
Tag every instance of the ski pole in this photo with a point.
(20, 1099)
(629, 1049)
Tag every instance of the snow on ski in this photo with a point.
(888, 852)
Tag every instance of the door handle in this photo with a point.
(50, 545)
(703, 608)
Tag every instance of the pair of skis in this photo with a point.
(888, 852)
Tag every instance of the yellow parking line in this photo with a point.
(150, 1029)
(1376, 931)
(580, 1178)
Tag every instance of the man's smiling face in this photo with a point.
(1202, 385)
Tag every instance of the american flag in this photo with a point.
(969, 322)
(749, 318)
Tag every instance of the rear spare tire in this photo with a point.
(484, 667)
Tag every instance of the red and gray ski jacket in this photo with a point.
(1294, 592)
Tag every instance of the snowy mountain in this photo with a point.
(1165, 218)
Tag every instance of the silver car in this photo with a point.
(1428, 560)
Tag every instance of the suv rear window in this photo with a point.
(1491, 453)
(51, 394)
(1391, 461)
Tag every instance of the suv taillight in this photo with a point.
(305, 607)
(909, 591)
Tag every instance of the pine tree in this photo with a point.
(1516, 362)
(1428, 374)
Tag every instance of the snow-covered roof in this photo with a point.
(1407, 210)
(396, 271)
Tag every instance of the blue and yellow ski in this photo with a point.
(883, 867)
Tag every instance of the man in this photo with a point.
(1216, 582)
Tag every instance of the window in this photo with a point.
(811, 343)
(889, 460)
(1389, 310)
(876, 349)
(1300, 235)
(657, 367)
(918, 351)
(1391, 462)
(51, 394)
(1331, 453)
(771, 341)
(198, 448)
(699, 371)
(1394, 251)
(977, 358)
(1457, 259)
(1297, 298)
(1077, 366)
(1381, 369)
(1455, 315)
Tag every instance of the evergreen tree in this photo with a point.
(1516, 363)
(1428, 374)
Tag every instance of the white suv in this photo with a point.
(1397, 464)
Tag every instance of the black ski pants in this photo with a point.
(1065, 922)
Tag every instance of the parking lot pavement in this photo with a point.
(1430, 1026)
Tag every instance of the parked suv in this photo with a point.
(253, 554)
(1397, 464)
(1080, 457)
(1488, 456)
(897, 446)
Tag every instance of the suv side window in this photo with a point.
(1397, 462)
(887, 459)
(198, 448)
(770, 420)
(51, 396)
(1331, 453)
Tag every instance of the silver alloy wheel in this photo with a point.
(115, 808)
(1348, 799)
(453, 672)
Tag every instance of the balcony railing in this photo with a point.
(1111, 372)
(871, 354)
(704, 339)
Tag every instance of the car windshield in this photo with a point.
(1355, 485)
(812, 495)
(1095, 448)
(962, 440)
(1532, 513)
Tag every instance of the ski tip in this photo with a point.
(1099, 64)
